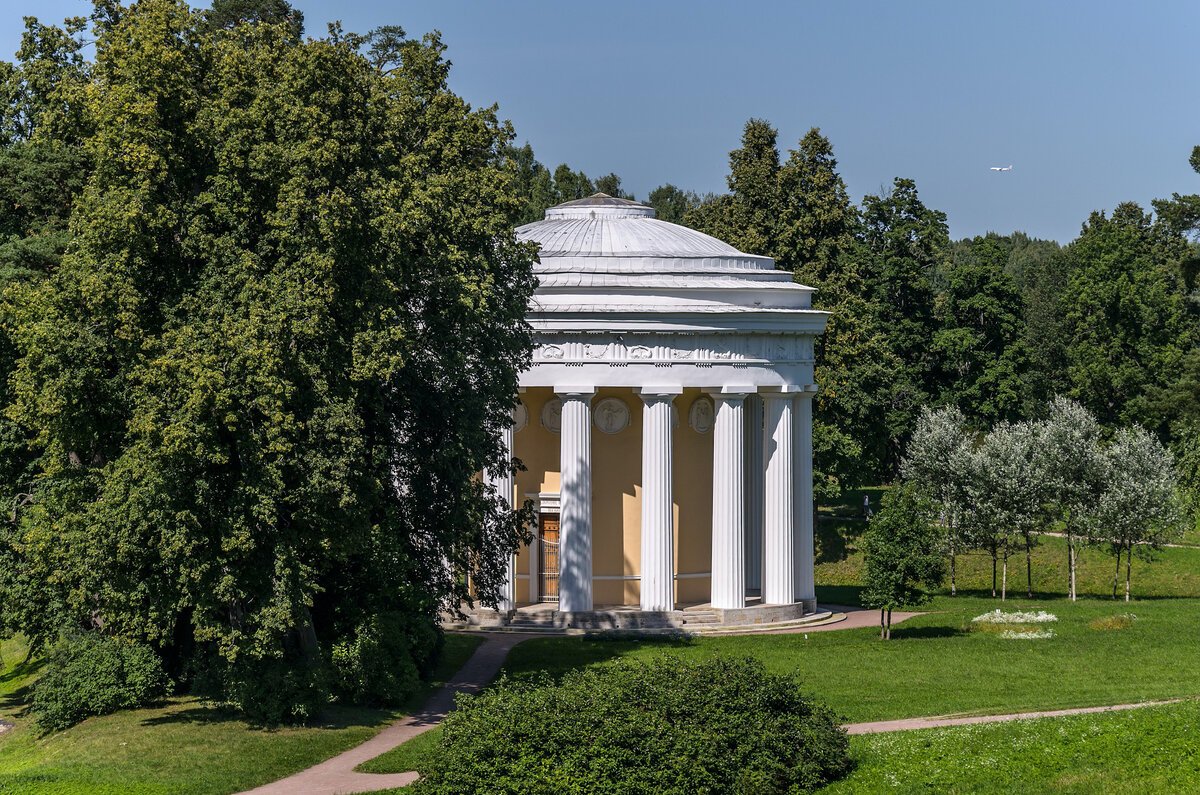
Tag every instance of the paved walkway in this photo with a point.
(337, 775)
(909, 724)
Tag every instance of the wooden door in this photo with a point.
(548, 532)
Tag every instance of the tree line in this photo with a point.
(996, 326)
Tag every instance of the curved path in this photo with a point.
(337, 774)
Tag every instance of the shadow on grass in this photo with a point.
(902, 632)
(1052, 596)
(526, 662)
(333, 717)
(849, 595)
(22, 669)
(835, 539)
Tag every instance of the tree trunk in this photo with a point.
(1117, 574)
(1128, 565)
(889, 624)
(994, 563)
(953, 584)
(1004, 581)
(1071, 562)
(882, 625)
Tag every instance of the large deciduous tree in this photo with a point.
(284, 340)
(980, 345)
(903, 240)
(1127, 315)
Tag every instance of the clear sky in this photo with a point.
(1093, 103)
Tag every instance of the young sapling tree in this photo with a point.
(902, 555)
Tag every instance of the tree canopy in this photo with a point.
(250, 431)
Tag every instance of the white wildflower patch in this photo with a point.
(1030, 634)
(1015, 617)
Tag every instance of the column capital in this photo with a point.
(784, 391)
(731, 392)
(574, 391)
(659, 391)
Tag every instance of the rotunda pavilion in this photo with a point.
(665, 425)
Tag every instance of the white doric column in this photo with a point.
(779, 515)
(805, 590)
(753, 413)
(658, 504)
(575, 513)
(729, 508)
(503, 484)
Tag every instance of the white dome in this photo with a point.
(603, 254)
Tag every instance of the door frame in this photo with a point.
(543, 502)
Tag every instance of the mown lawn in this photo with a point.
(1173, 572)
(1142, 751)
(935, 665)
(183, 746)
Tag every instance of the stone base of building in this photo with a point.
(546, 617)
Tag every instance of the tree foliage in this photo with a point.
(283, 342)
(902, 558)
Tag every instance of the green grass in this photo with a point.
(1173, 572)
(183, 746)
(850, 502)
(411, 755)
(1142, 751)
(935, 666)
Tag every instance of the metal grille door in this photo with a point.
(549, 558)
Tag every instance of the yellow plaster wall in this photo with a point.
(538, 450)
(616, 502)
(692, 485)
(617, 496)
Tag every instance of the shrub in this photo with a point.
(92, 674)
(671, 725)
(269, 690)
(381, 664)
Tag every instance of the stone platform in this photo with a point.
(696, 618)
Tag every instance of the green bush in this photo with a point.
(269, 690)
(671, 725)
(92, 674)
(382, 663)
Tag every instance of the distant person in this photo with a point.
(866, 506)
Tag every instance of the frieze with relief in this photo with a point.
(682, 349)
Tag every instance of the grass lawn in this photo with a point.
(850, 502)
(1174, 572)
(183, 746)
(936, 666)
(1149, 750)
(407, 756)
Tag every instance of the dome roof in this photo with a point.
(603, 226)
(604, 254)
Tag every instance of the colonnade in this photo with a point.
(762, 512)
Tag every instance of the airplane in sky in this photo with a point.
(1000, 168)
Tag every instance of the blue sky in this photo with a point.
(1092, 103)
